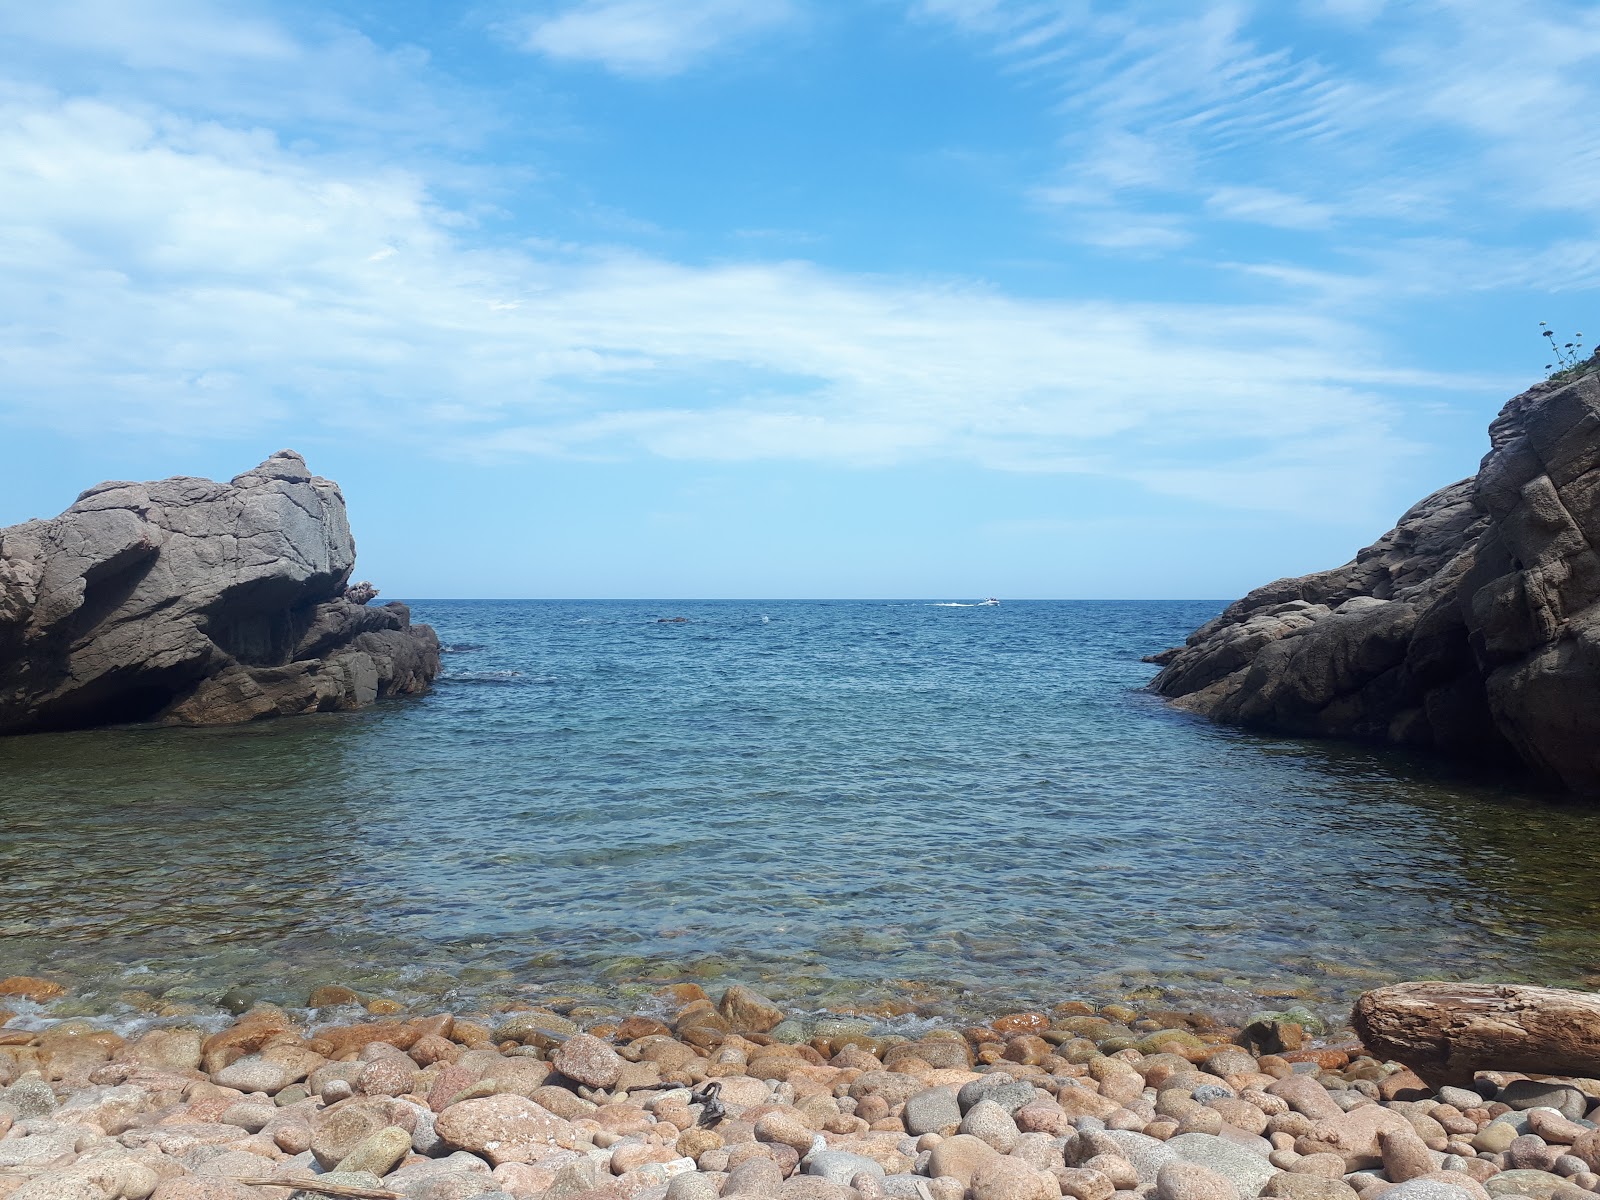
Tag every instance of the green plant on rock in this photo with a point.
(1570, 359)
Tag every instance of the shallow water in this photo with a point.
(973, 808)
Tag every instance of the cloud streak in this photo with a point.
(1175, 119)
(647, 38)
(169, 274)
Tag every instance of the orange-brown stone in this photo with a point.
(1024, 1022)
(30, 987)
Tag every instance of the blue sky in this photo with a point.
(795, 298)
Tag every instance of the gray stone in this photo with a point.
(1248, 1171)
(583, 1175)
(1147, 1154)
(1523, 1094)
(1468, 629)
(840, 1166)
(442, 1185)
(991, 1123)
(936, 1110)
(906, 1187)
(196, 603)
(30, 1098)
(753, 1177)
(1010, 1094)
(378, 1153)
(35, 1148)
(1462, 1098)
(691, 1185)
(1427, 1189)
(1538, 1185)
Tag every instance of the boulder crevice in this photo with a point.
(186, 601)
(1471, 628)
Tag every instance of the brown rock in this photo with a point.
(1552, 1127)
(588, 1060)
(1306, 1095)
(501, 1128)
(1354, 1135)
(1324, 1166)
(1404, 1084)
(30, 987)
(348, 1039)
(747, 1011)
(170, 1049)
(339, 1129)
(331, 994)
(1191, 1181)
(430, 1048)
(695, 1141)
(1530, 1153)
(1404, 1155)
(1005, 1178)
(569, 1106)
(756, 1175)
(1290, 1186)
(1023, 1022)
(959, 1157)
(787, 1127)
(1090, 1183)
(391, 1075)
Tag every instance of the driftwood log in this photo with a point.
(1446, 1031)
(342, 1191)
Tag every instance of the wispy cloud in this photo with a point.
(1175, 118)
(229, 61)
(647, 37)
(173, 274)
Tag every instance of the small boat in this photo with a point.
(987, 600)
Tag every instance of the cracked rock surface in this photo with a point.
(1472, 627)
(190, 602)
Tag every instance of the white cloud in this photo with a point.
(167, 274)
(648, 37)
(1266, 206)
(1461, 123)
(224, 60)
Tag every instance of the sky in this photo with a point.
(768, 298)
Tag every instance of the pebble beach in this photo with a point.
(702, 1096)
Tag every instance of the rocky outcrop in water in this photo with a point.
(191, 602)
(1472, 627)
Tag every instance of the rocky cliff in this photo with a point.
(196, 603)
(1472, 627)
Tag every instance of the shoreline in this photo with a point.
(37, 1003)
(708, 1096)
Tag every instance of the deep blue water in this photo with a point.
(849, 801)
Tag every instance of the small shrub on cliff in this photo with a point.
(1570, 359)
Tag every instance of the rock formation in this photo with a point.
(190, 602)
(1472, 627)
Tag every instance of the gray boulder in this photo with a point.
(1471, 628)
(190, 602)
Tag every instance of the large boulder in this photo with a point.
(196, 603)
(1472, 627)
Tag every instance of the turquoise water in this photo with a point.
(849, 803)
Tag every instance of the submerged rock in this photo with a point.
(1472, 627)
(196, 603)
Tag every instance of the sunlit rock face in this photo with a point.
(1472, 627)
(186, 601)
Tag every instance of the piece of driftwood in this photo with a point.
(343, 1191)
(1446, 1031)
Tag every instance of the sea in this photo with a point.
(921, 807)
